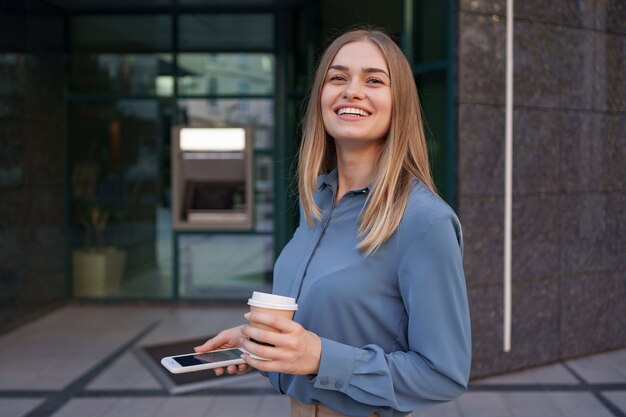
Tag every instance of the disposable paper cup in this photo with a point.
(277, 305)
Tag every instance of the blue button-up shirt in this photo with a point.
(394, 325)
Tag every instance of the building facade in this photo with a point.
(90, 93)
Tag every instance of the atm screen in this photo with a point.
(215, 196)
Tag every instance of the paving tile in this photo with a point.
(184, 406)
(53, 351)
(530, 404)
(17, 407)
(274, 406)
(578, 404)
(235, 405)
(88, 334)
(125, 373)
(85, 407)
(551, 374)
(604, 368)
(256, 381)
(450, 409)
(134, 407)
(618, 398)
(483, 404)
(189, 323)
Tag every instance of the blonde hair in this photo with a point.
(403, 156)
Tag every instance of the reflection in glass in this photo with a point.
(432, 88)
(140, 33)
(255, 113)
(238, 264)
(116, 4)
(12, 74)
(149, 74)
(226, 2)
(116, 184)
(225, 31)
(225, 74)
(264, 194)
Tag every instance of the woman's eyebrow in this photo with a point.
(370, 70)
(366, 70)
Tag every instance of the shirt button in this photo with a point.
(324, 381)
(339, 384)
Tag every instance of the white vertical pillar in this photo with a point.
(508, 176)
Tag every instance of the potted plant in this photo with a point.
(97, 269)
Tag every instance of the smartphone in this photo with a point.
(200, 361)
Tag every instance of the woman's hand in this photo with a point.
(228, 338)
(296, 350)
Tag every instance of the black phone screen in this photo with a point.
(208, 357)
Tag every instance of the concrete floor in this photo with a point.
(78, 362)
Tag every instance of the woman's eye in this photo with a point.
(375, 81)
(337, 78)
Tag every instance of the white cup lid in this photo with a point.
(278, 302)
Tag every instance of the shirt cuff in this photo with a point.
(336, 366)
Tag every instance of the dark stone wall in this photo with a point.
(569, 179)
(32, 185)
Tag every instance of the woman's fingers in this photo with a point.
(282, 324)
(211, 344)
(233, 369)
(261, 335)
(268, 352)
(298, 352)
(205, 347)
(225, 339)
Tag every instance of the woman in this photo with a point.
(376, 263)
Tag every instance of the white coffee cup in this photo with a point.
(277, 305)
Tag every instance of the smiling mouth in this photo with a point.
(352, 111)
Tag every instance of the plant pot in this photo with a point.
(97, 272)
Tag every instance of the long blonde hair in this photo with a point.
(403, 157)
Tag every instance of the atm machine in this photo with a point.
(212, 185)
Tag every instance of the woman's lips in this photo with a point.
(351, 113)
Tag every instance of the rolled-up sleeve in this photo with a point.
(436, 366)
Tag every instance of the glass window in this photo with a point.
(226, 2)
(225, 74)
(147, 74)
(255, 113)
(238, 264)
(13, 74)
(121, 33)
(264, 194)
(337, 15)
(114, 4)
(432, 92)
(226, 32)
(116, 207)
(430, 34)
(12, 151)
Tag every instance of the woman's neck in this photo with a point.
(355, 169)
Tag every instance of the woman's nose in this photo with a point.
(353, 90)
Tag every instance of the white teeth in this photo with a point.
(353, 111)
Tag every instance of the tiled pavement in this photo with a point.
(78, 362)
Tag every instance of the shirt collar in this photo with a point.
(331, 179)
